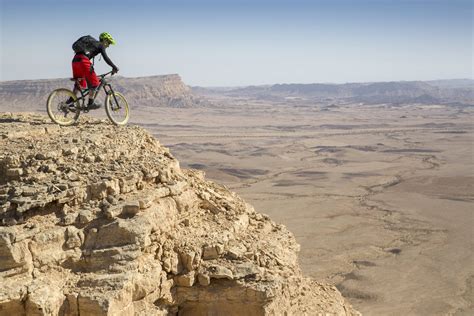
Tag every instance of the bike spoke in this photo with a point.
(59, 109)
(117, 108)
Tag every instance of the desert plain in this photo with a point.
(380, 197)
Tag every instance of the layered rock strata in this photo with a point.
(101, 220)
(164, 90)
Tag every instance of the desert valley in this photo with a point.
(375, 181)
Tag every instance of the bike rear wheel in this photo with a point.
(59, 111)
(117, 108)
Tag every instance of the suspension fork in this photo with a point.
(111, 92)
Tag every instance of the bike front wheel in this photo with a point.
(116, 107)
(61, 107)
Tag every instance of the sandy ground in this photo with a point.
(379, 197)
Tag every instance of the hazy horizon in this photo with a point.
(241, 42)
(262, 84)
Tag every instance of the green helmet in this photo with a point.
(107, 37)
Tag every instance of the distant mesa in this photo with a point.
(163, 90)
(456, 91)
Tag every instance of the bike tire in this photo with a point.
(117, 113)
(57, 109)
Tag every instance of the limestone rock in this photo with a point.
(44, 298)
(187, 259)
(220, 272)
(14, 173)
(204, 279)
(185, 279)
(247, 269)
(210, 252)
(85, 216)
(145, 202)
(101, 220)
(131, 208)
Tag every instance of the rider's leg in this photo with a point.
(80, 66)
(93, 104)
(93, 83)
(92, 95)
(74, 90)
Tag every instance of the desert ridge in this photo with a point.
(159, 91)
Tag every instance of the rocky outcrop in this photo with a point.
(165, 90)
(101, 220)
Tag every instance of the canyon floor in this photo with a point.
(379, 197)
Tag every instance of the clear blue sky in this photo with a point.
(243, 42)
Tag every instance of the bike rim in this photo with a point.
(118, 112)
(59, 109)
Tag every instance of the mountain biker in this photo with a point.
(86, 48)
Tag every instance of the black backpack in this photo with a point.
(84, 45)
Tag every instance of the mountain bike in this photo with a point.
(64, 106)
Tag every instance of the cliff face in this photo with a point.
(166, 90)
(101, 220)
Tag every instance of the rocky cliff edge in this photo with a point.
(101, 220)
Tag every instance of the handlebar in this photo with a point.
(106, 74)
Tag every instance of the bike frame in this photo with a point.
(103, 84)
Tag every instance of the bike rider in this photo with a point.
(86, 48)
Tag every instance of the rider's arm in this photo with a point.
(106, 58)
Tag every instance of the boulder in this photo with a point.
(220, 272)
